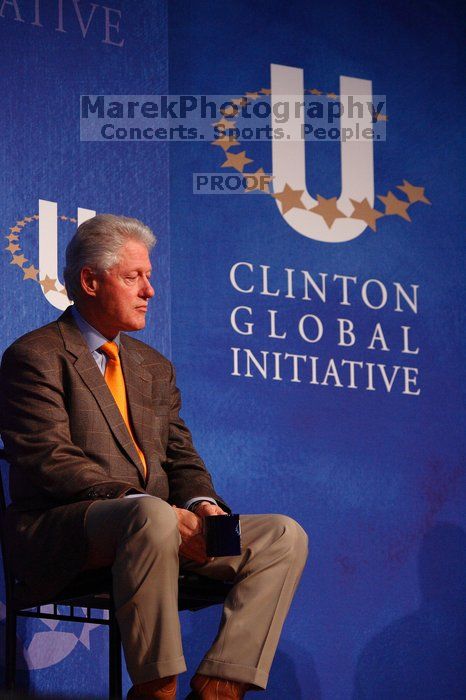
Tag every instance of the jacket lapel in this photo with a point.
(93, 378)
(138, 383)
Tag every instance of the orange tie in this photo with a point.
(116, 384)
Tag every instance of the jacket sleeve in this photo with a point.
(34, 426)
(187, 475)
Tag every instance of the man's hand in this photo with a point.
(205, 508)
(193, 540)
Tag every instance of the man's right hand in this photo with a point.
(191, 530)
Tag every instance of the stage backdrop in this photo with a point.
(315, 318)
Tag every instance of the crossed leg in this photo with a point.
(139, 539)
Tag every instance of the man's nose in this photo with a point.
(147, 289)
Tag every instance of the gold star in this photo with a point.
(229, 111)
(314, 91)
(259, 181)
(364, 211)
(289, 199)
(252, 95)
(20, 223)
(327, 209)
(224, 124)
(35, 216)
(63, 218)
(414, 194)
(28, 219)
(74, 221)
(18, 260)
(265, 91)
(30, 273)
(395, 206)
(236, 161)
(15, 229)
(225, 142)
(48, 284)
(331, 94)
(240, 101)
(382, 118)
(12, 237)
(13, 247)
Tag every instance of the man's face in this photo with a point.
(122, 293)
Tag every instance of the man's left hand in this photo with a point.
(205, 508)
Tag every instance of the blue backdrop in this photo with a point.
(373, 474)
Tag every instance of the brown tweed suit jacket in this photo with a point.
(68, 445)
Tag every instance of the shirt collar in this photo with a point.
(93, 338)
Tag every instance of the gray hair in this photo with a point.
(97, 244)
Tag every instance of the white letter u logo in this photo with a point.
(289, 161)
(48, 250)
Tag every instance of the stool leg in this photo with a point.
(10, 649)
(114, 648)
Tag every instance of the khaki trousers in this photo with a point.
(139, 539)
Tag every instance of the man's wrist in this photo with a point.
(195, 506)
(194, 502)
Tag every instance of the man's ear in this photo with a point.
(89, 281)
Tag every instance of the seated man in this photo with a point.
(104, 473)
